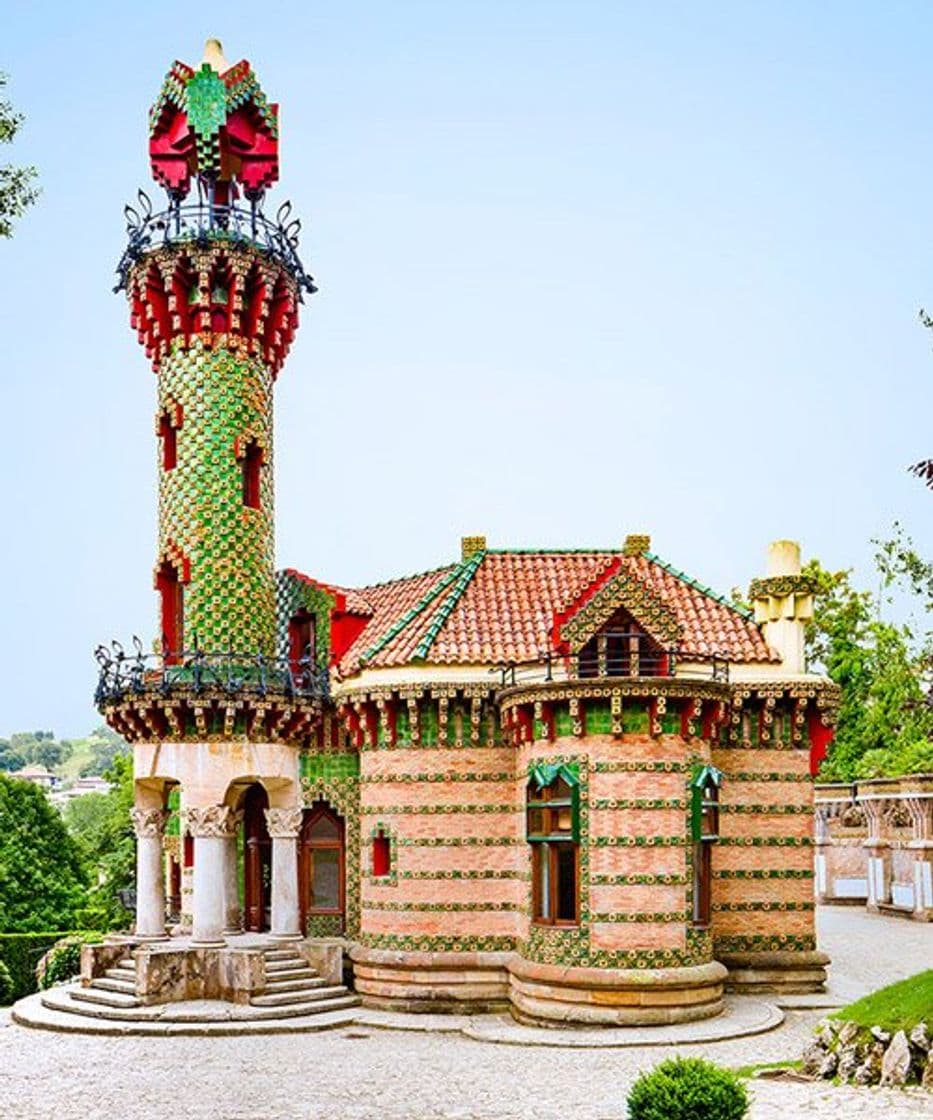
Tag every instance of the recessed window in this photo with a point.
(252, 468)
(382, 853)
(172, 610)
(704, 812)
(302, 653)
(169, 438)
(553, 831)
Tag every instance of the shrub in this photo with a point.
(6, 985)
(687, 1089)
(63, 960)
(20, 953)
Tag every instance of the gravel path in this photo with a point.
(362, 1073)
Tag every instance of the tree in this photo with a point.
(42, 879)
(10, 757)
(885, 723)
(105, 833)
(17, 189)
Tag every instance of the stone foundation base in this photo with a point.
(557, 996)
(457, 983)
(788, 972)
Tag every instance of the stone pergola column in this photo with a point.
(149, 825)
(879, 852)
(920, 807)
(284, 826)
(211, 826)
(233, 918)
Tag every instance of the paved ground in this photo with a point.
(364, 1073)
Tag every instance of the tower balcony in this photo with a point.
(205, 223)
(195, 695)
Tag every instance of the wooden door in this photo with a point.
(257, 861)
(322, 866)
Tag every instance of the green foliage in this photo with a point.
(10, 757)
(6, 985)
(20, 953)
(885, 724)
(898, 1007)
(17, 189)
(63, 960)
(687, 1089)
(103, 832)
(42, 878)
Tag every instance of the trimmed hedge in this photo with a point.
(21, 953)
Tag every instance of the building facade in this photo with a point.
(575, 783)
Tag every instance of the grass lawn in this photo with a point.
(898, 1007)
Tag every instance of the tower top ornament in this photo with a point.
(214, 124)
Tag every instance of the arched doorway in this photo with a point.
(257, 861)
(322, 867)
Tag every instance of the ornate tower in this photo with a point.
(214, 288)
(215, 717)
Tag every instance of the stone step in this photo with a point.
(285, 962)
(118, 973)
(285, 974)
(34, 1012)
(105, 984)
(315, 995)
(279, 954)
(295, 985)
(303, 1009)
(105, 999)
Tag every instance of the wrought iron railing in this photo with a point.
(204, 222)
(619, 654)
(124, 675)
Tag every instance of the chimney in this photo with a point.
(636, 544)
(783, 602)
(469, 546)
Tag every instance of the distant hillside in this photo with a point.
(68, 758)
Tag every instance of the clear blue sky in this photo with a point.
(585, 268)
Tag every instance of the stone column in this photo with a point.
(149, 824)
(284, 826)
(879, 853)
(920, 807)
(233, 918)
(211, 826)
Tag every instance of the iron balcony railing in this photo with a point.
(617, 654)
(205, 221)
(124, 675)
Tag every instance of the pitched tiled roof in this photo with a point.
(500, 606)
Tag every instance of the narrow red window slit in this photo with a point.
(252, 462)
(169, 443)
(382, 854)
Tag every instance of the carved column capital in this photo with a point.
(148, 822)
(211, 821)
(283, 824)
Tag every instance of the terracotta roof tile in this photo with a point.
(500, 606)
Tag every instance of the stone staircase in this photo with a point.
(296, 998)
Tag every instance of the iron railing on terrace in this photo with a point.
(124, 675)
(616, 654)
(204, 222)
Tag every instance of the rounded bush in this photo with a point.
(687, 1089)
(6, 985)
(63, 960)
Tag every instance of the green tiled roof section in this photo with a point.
(463, 574)
(397, 627)
(696, 585)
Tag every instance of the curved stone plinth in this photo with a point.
(456, 983)
(778, 971)
(555, 996)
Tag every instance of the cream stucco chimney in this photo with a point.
(783, 601)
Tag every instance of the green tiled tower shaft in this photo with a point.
(221, 402)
